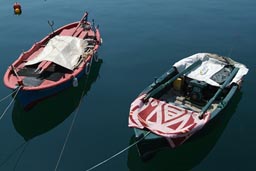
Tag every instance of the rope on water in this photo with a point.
(8, 106)
(120, 152)
(11, 154)
(20, 155)
(8, 95)
(69, 131)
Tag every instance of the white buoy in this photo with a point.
(75, 82)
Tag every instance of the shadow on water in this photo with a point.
(191, 153)
(54, 110)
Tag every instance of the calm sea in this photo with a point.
(141, 40)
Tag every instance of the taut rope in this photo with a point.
(8, 106)
(8, 95)
(69, 132)
(120, 152)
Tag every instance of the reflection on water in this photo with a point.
(52, 111)
(192, 152)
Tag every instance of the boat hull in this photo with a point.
(55, 63)
(29, 98)
(151, 144)
(183, 101)
(34, 122)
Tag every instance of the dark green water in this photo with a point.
(141, 39)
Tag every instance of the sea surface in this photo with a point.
(141, 40)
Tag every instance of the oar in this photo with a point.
(80, 22)
(232, 74)
(160, 80)
(163, 86)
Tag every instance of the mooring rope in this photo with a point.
(8, 106)
(69, 131)
(120, 152)
(8, 95)
(11, 154)
(106, 160)
(20, 155)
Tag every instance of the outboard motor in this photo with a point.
(196, 90)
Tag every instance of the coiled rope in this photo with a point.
(8, 106)
(120, 152)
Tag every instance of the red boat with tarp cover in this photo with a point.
(56, 62)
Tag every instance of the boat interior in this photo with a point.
(192, 94)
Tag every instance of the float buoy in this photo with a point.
(17, 8)
(75, 82)
(87, 68)
(95, 57)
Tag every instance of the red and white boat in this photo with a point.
(178, 104)
(55, 63)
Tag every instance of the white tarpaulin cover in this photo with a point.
(62, 50)
(208, 68)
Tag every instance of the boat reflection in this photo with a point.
(191, 153)
(50, 112)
